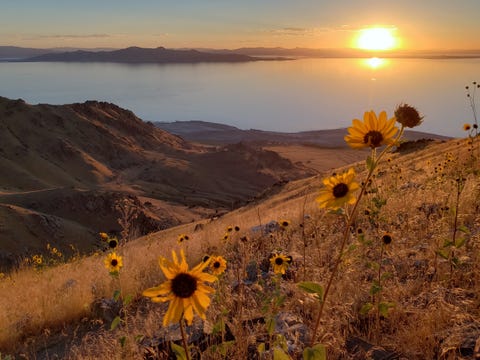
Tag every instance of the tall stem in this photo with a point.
(184, 338)
(374, 162)
(349, 222)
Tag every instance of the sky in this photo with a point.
(417, 24)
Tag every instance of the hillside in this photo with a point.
(71, 171)
(432, 297)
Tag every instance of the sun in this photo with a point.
(376, 38)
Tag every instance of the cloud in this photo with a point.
(70, 36)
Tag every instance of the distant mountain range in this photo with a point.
(219, 134)
(163, 55)
(131, 55)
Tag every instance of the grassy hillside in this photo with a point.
(414, 298)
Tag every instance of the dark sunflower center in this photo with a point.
(114, 262)
(216, 264)
(184, 285)
(340, 190)
(112, 243)
(279, 261)
(373, 138)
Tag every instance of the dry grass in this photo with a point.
(436, 306)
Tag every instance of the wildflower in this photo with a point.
(113, 263)
(284, 224)
(229, 228)
(338, 190)
(408, 116)
(466, 127)
(37, 259)
(184, 289)
(112, 242)
(372, 132)
(387, 238)
(226, 236)
(103, 236)
(218, 265)
(237, 228)
(280, 263)
(182, 237)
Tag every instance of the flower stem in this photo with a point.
(350, 218)
(184, 338)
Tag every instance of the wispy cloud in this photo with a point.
(69, 36)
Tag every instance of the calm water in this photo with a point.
(308, 94)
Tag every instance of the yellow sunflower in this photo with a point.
(280, 263)
(218, 265)
(182, 237)
(338, 190)
(372, 132)
(113, 263)
(184, 289)
(284, 223)
(466, 127)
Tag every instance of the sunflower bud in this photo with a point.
(408, 116)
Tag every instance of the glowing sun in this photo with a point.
(377, 38)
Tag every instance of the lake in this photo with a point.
(290, 96)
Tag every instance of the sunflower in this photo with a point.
(113, 263)
(280, 263)
(182, 237)
(372, 132)
(103, 236)
(466, 127)
(284, 223)
(387, 238)
(184, 289)
(112, 242)
(338, 190)
(218, 265)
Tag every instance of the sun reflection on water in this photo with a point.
(375, 62)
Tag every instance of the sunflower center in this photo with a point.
(184, 285)
(216, 264)
(340, 190)
(278, 261)
(373, 138)
(114, 262)
(112, 243)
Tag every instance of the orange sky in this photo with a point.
(426, 24)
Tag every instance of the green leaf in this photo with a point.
(261, 348)
(447, 243)
(460, 242)
(375, 288)
(116, 295)
(123, 340)
(179, 351)
(312, 288)
(270, 324)
(444, 253)
(222, 348)
(317, 352)
(370, 163)
(463, 229)
(128, 299)
(115, 323)
(279, 354)
(386, 275)
(366, 308)
(383, 308)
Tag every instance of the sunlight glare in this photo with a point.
(375, 62)
(376, 38)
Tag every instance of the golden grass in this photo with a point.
(434, 305)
